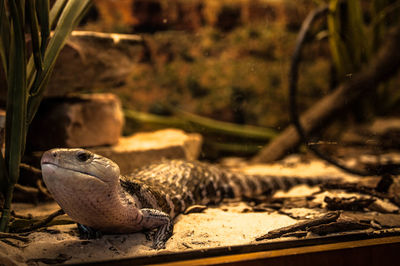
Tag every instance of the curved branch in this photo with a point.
(293, 80)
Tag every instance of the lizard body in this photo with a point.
(92, 192)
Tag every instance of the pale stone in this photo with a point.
(382, 126)
(383, 132)
(82, 121)
(144, 148)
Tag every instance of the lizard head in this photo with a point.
(79, 163)
(84, 184)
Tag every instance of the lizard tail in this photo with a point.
(238, 185)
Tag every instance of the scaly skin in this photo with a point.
(91, 191)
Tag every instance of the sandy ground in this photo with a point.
(216, 227)
(229, 224)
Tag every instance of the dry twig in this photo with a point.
(13, 236)
(41, 223)
(301, 226)
(348, 204)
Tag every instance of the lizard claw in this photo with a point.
(86, 232)
(158, 245)
(161, 222)
(162, 235)
(149, 234)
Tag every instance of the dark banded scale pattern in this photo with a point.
(172, 186)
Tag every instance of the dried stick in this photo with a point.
(338, 226)
(41, 223)
(301, 226)
(13, 236)
(349, 204)
(355, 187)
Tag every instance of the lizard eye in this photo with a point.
(83, 156)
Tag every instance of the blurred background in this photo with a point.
(228, 60)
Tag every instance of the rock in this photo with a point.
(90, 61)
(382, 126)
(144, 148)
(383, 132)
(6, 260)
(388, 220)
(80, 121)
(383, 206)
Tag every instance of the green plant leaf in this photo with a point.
(4, 37)
(43, 10)
(21, 7)
(68, 20)
(16, 104)
(340, 54)
(16, 100)
(56, 11)
(35, 34)
(381, 11)
(207, 124)
(33, 74)
(54, 14)
(195, 123)
(355, 31)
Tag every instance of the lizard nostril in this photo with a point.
(54, 154)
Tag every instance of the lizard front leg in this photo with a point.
(162, 222)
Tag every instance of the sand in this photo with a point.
(228, 224)
(225, 225)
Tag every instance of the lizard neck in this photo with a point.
(98, 205)
(115, 211)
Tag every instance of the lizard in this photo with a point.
(90, 189)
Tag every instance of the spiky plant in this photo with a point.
(27, 75)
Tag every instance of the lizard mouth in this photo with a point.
(73, 170)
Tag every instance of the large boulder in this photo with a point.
(148, 147)
(80, 121)
(90, 61)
